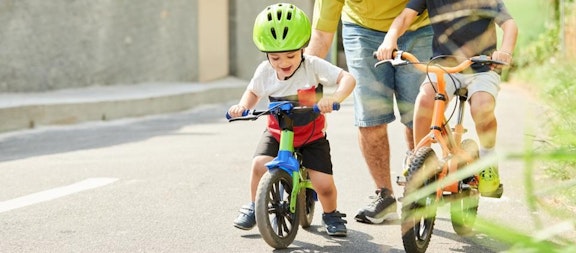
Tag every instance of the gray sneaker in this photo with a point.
(334, 224)
(383, 208)
(246, 220)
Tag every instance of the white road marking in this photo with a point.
(54, 193)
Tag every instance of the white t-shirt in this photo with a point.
(312, 71)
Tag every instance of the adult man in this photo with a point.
(364, 26)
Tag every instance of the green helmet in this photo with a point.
(281, 27)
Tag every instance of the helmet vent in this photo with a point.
(273, 31)
(285, 33)
(289, 16)
(269, 17)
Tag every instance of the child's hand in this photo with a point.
(326, 104)
(236, 110)
(502, 56)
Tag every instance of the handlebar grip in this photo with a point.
(244, 113)
(335, 107)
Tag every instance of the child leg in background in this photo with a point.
(482, 106)
(246, 220)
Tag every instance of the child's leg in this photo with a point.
(423, 112)
(325, 188)
(258, 170)
(483, 92)
(265, 152)
(324, 185)
(482, 106)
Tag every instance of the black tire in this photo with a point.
(463, 211)
(307, 201)
(277, 225)
(418, 216)
(464, 207)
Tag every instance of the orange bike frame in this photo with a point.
(451, 143)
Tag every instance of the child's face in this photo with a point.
(285, 63)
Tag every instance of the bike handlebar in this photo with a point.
(254, 114)
(404, 58)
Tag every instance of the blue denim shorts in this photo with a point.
(378, 88)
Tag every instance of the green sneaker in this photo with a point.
(489, 185)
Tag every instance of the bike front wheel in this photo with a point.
(277, 225)
(418, 216)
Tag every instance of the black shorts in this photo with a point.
(315, 155)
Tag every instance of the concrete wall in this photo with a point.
(57, 44)
(213, 52)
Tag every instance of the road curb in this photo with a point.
(121, 102)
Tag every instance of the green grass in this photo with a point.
(531, 16)
(551, 76)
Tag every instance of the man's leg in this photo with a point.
(373, 110)
(375, 148)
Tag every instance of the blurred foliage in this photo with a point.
(542, 64)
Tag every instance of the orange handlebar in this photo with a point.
(432, 68)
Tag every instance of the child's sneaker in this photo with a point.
(246, 220)
(334, 224)
(489, 185)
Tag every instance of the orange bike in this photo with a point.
(431, 179)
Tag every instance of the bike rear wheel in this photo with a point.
(308, 203)
(418, 216)
(277, 225)
(464, 207)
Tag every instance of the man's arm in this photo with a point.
(320, 43)
(398, 27)
(324, 25)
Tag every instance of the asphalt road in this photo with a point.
(173, 183)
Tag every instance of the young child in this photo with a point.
(281, 31)
(463, 28)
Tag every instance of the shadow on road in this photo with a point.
(61, 139)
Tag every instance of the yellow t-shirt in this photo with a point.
(373, 14)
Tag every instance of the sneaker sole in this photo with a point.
(243, 228)
(337, 234)
(372, 220)
(496, 194)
